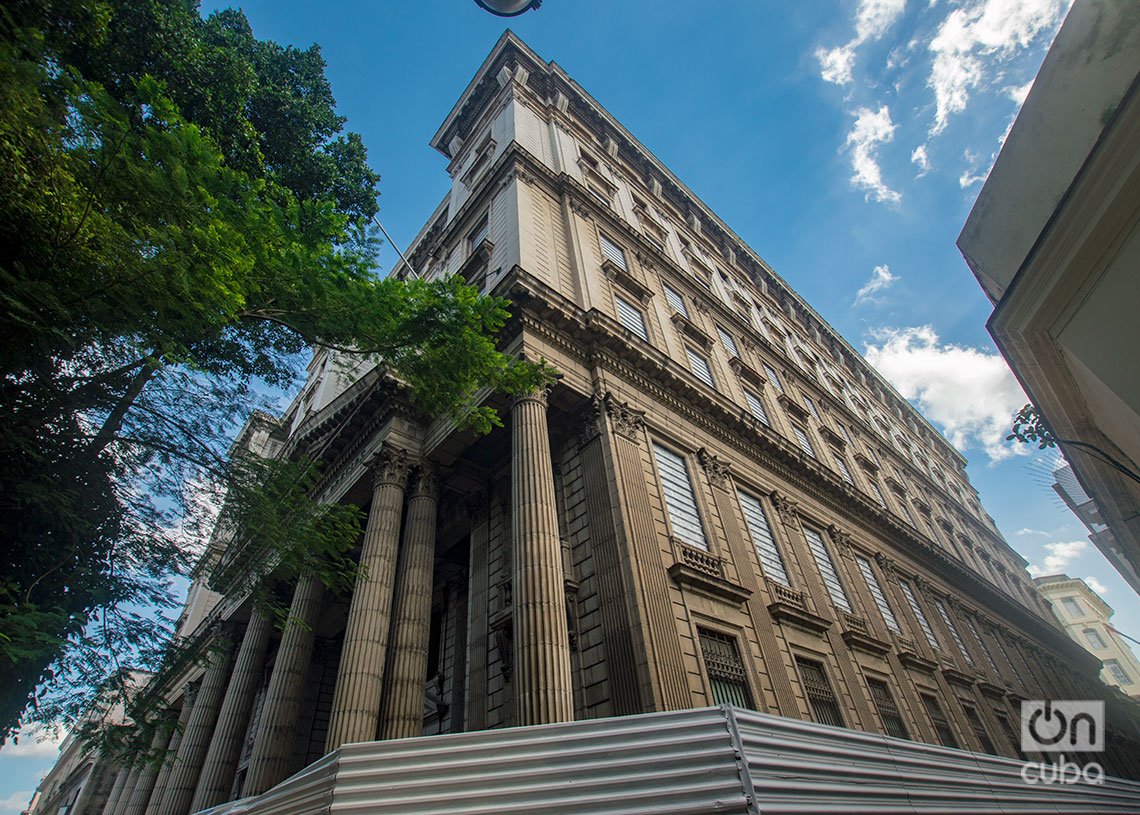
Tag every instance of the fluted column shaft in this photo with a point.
(163, 781)
(403, 703)
(222, 757)
(199, 730)
(360, 677)
(543, 686)
(148, 772)
(277, 726)
(128, 791)
(116, 791)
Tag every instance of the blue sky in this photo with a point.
(844, 140)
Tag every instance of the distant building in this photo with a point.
(1054, 240)
(1085, 617)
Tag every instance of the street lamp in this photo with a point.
(509, 8)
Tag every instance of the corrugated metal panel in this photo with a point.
(804, 768)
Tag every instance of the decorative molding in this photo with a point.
(690, 329)
(389, 466)
(424, 483)
(716, 470)
(624, 420)
(842, 540)
(788, 509)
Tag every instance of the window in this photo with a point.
(827, 570)
(1117, 672)
(938, 721)
(771, 563)
(843, 432)
(877, 493)
(631, 317)
(878, 595)
(944, 613)
(805, 442)
(824, 708)
(613, 252)
(916, 609)
(773, 378)
(680, 503)
(1013, 738)
(756, 406)
(700, 367)
(1092, 636)
(982, 644)
(841, 465)
(975, 722)
(888, 710)
(676, 301)
(812, 409)
(725, 669)
(1072, 606)
(478, 234)
(728, 342)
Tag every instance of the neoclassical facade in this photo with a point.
(719, 501)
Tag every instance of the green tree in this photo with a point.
(182, 216)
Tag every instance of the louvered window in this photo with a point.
(676, 301)
(824, 708)
(613, 252)
(680, 502)
(827, 570)
(888, 710)
(725, 669)
(728, 342)
(773, 378)
(700, 367)
(1013, 738)
(478, 234)
(841, 465)
(631, 317)
(944, 613)
(975, 722)
(812, 409)
(877, 593)
(938, 721)
(805, 442)
(771, 563)
(756, 407)
(844, 432)
(877, 493)
(916, 609)
(982, 645)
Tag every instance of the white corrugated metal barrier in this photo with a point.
(711, 760)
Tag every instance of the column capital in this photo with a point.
(842, 540)
(624, 419)
(716, 470)
(389, 465)
(789, 510)
(540, 396)
(424, 481)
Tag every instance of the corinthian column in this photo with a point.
(277, 726)
(144, 784)
(233, 719)
(360, 678)
(403, 711)
(188, 695)
(543, 687)
(199, 729)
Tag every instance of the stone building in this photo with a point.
(718, 502)
(1085, 616)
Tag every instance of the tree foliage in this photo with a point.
(182, 215)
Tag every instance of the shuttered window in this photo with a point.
(812, 409)
(843, 432)
(975, 721)
(771, 563)
(773, 378)
(982, 645)
(938, 721)
(878, 493)
(725, 669)
(680, 502)
(1013, 738)
(728, 342)
(916, 609)
(478, 234)
(827, 570)
(613, 252)
(824, 708)
(756, 407)
(877, 593)
(805, 442)
(631, 317)
(888, 710)
(944, 613)
(700, 367)
(841, 465)
(676, 301)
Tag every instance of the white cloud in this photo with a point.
(920, 158)
(973, 38)
(34, 742)
(969, 178)
(872, 128)
(872, 19)
(1059, 557)
(1017, 93)
(970, 394)
(16, 802)
(1027, 531)
(1096, 585)
(881, 278)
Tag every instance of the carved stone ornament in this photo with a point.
(885, 563)
(788, 509)
(389, 465)
(842, 540)
(625, 420)
(592, 421)
(581, 209)
(425, 484)
(921, 583)
(715, 469)
(542, 396)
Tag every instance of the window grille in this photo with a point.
(771, 563)
(975, 722)
(827, 570)
(982, 644)
(877, 493)
(725, 669)
(680, 503)
(824, 707)
(938, 721)
(888, 710)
